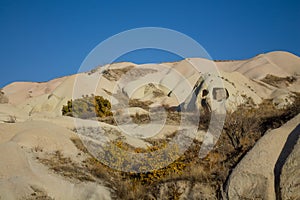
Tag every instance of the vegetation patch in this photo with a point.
(88, 107)
(66, 167)
(188, 172)
(138, 103)
(279, 81)
(115, 74)
(140, 118)
(38, 194)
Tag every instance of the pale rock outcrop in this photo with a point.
(174, 80)
(277, 63)
(221, 92)
(290, 174)
(21, 174)
(214, 85)
(253, 177)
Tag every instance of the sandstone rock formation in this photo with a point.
(22, 176)
(253, 177)
(289, 187)
(34, 137)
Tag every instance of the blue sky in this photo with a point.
(44, 39)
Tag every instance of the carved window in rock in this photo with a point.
(220, 94)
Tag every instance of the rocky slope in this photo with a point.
(258, 95)
(34, 98)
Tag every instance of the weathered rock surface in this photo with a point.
(290, 174)
(22, 176)
(253, 178)
(38, 106)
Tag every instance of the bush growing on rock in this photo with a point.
(87, 107)
(188, 176)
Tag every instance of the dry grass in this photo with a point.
(115, 74)
(279, 81)
(66, 167)
(108, 120)
(79, 145)
(140, 118)
(38, 194)
(131, 72)
(137, 103)
(241, 131)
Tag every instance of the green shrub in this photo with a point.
(87, 107)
